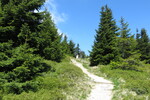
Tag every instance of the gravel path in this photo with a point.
(102, 88)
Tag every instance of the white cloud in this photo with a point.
(56, 16)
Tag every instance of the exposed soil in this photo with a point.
(102, 88)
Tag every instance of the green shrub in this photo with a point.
(10, 76)
(12, 88)
(3, 56)
(17, 88)
(65, 82)
(42, 94)
(1, 95)
(136, 81)
(30, 86)
(22, 73)
(70, 72)
(53, 52)
(148, 61)
(4, 47)
(52, 83)
(127, 64)
(23, 65)
(139, 86)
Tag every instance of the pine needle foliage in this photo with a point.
(126, 43)
(143, 45)
(104, 49)
(27, 38)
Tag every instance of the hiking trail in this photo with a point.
(101, 89)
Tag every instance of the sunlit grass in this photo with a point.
(66, 82)
(129, 84)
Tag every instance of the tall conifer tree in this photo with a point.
(77, 50)
(15, 14)
(124, 31)
(143, 45)
(104, 49)
(126, 41)
(21, 22)
(65, 45)
(49, 41)
(72, 48)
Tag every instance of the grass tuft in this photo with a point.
(64, 82)
(130, 84)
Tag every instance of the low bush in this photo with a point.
(127, 64)
(12, 88)
(52, 83)
(22, 65)
(53, 52)
(42, 94)
(64, 82)
(131, 78)
(17, 88)
(139, 86)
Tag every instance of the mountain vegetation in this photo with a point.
(116, 43)
(35, 58)
(122, 56)
(29, 40)
(105, 47)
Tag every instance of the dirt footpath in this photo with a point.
(102, 88)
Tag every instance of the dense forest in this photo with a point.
(28, 37)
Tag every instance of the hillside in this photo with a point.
(64, 82)
(37, 60)
(128, 84)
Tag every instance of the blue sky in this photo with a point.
(79, 19)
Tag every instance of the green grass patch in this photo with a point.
(130, 84)
(64, 82)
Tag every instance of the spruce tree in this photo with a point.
(72, 48)
(126, 40)
(124, 31)
(143, 45)
(48, 40)
(15, 14)
(137, 35)
(25, 36)
(65, 45)
(21, 22)
(104, 49)
(77, 50)
(82, 54)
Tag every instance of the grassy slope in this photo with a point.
(129, 85)
(67, 82)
